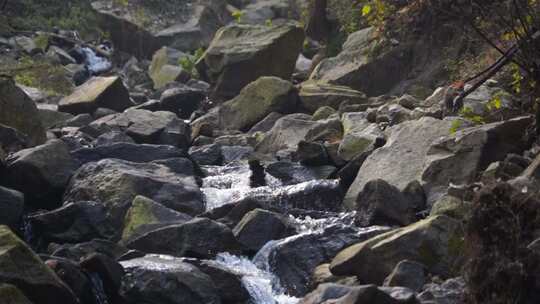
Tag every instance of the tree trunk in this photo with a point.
(317, 26)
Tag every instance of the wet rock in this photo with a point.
(402, 159)
(236, 153)
(145, 127)
(145, 215)
(72, 223)
(11, 206)
(109, 271)
(314, 95)
(41, 173)
(293, 173)
(207, 155)
(322, 275)
(451, 291)
(50, 117)
(127, 151)
(229, 284)
(435, 242)
(408, 274)
(175, 281)
(21, 267)
(182, 100)
(198, 238)
(20, 112)
(233, 58)
(383, 204)
(312, 154)
(71, 273)
(106, 92)
(294, 259)
(115, 183)
(12, 295)
(258, 227)
(180, 165)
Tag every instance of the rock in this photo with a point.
(127, 151)
(207, 155)
(326, 292)
(79, 121)
(20, 112)
(11, 140)
(312, 154)
(287, 132)
(491, 102)
(436, 242)
(341, 294)
(175, 281)
(408, 274)
(115, 183)
(359, 68)
(323, 112)
(51, 117)
(458, 158)
(409, 102)
(266, 123)
(451, 206)
(145, 127)
(71, 273)
(180, 165)
(12, 295)
(294, 259)
(21, 267)
(27, 44)
(109, 270)
(11, 206)
(165, 67)
(106, 92)
(72, 223)
(111, 138)
(322, 275)
(41, 173)
(60, 56)
(182, 101)
(77, 252)
(314, 95)
(234, 57)
(229, 284)
(145, 215)
(402, 159)
(293, 173)
(383, 204)
(236, 153)
(198, 238)
(142, 30)
(258, 227)
(359, 136)
(451, 291)
(255, 102)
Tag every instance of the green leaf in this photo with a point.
(366, 9)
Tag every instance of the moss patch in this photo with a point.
(139, 214)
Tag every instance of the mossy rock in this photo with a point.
(451, 206)
(12, 295)
(323, 113)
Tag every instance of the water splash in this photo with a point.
(97, 288)
(94, 63)
(261, 285)
(308, 225)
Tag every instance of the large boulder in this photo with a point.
(457, 158)
(143, 28)
(98, 92)
(146, 127)
(363, 294)
(293, 260)
(314, 95)
(165, 67)
(240, 54)
(255, 102)
(182, 100)
(401, 161)
(198, 238)
(116, 183)
(18, 111)
(11, 140)
(436, 242)
(11, 206)
(41, 173)
(359, 135)
(21, 267)
(260, 226)
(163, 279)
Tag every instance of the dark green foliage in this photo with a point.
(502, 269)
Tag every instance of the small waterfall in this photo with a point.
(97, 288)
(94, 63)
(261, 284)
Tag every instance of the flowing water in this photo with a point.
(97, 288)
